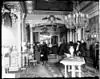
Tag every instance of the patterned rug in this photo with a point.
(34, 71)
(53, 70)
(57, 69)
(26, 74)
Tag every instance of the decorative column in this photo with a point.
(70, 34)
(23, 39)
(82, 34)
(31, 37)
(76, 36)
(19, 38)
(23, 27)
(79, 34)
(15, 56)
(99, 36)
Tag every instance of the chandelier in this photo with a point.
(76, 19)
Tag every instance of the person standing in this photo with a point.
(78, 48)
(44, 53)
(37, 53)
(63, 48)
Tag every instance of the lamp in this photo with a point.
(76, 19)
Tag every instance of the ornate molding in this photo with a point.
(92, 10)
(50, 12)
(12, 8)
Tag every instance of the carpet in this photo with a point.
(34, 71)
(26, 74)
(54, 70)
(57, 70)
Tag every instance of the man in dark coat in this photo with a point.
(44, 53)
(63, 48)
(83, 49)
(55, 49)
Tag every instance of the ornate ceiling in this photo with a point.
(60, 7)
(35, 10)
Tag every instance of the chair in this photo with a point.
(31, 60)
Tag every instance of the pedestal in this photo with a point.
(14, 62)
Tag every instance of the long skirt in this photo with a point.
(37, 56)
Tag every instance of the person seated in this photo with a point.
(63, 49)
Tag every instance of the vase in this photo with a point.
(71, 50)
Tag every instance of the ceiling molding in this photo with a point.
(85, 5)
(92, 10)
(22, 6)
(50, 12)
(15, 4)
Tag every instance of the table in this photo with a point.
(75, 61)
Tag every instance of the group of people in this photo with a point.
(42, 51)
(80, 48)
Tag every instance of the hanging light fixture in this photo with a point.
(76, 19)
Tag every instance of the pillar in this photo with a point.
(31, 37)
(99, 36)
(23, 38)
(67, 36)
(70, 34)
(79, 34)
(76, 36)
(19, 38)
(23, 27)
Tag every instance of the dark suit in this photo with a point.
(44, 52)
(63, 49)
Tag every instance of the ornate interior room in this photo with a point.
(45, 38)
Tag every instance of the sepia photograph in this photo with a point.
(50, 39)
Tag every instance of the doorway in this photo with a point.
(45, 37)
